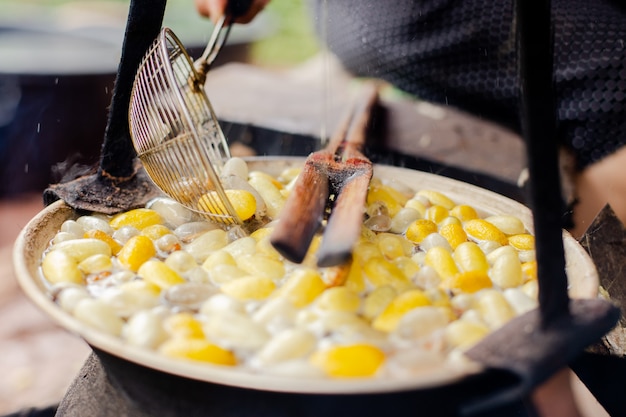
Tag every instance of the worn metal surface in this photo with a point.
(100, 194)
(605, 241)
(534, 352)
(116, 184)
(602, 367)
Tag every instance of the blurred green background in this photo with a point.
(282, 35)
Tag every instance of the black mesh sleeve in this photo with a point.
(463, 53)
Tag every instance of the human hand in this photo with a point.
(214, 9)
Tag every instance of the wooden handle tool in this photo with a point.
(341, 170)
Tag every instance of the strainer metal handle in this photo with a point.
(234, 9)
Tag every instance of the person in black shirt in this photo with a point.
(462, 54)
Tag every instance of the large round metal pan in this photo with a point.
(35, 237)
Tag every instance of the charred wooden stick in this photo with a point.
(344, 224)
(303, 212)
(355, 171)
(346, 175)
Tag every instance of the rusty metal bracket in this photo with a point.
(120, 183)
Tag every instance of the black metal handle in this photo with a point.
(144, 22)
(534, 25)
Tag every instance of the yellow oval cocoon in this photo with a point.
(351, 361)
(159, 274)
(183, 325)
(463, 334)
(419, 229)
(469, 257)
(454, 234)
(441, 261)
(249, 288)
(481, 229)
(198, 350)
(136, 251)
(302, 286)
(523, 241)
(402, 304)
(437, 198)
(243, 203)
(469, 281)
(106, 238)
(81, 249)
(59, 267)
(139, 218)
(464, 212)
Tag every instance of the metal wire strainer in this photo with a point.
(174, 128)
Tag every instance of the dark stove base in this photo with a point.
(110, 387)
(35, 412)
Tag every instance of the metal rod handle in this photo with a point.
(538, 111)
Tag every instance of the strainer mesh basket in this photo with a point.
(175, 131)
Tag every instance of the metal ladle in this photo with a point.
(173, 127)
